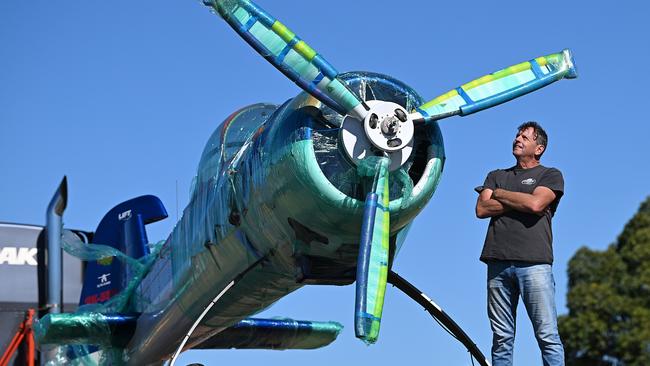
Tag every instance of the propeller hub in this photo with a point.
(386, 129)
(390, 126)
(387, 126)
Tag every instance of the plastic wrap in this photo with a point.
(94, 252)
(372, 269)
(84, 328)
(287, 52)
(287, 195)
(271, 184)
(336, 167)
(95, 325)
(502, 86)
(277, 334)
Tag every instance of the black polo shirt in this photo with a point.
(520, 236)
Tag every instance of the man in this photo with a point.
(520, 202)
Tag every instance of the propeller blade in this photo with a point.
(372, 264)
(289, 54)
(499, 87)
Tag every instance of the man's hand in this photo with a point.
(536, 203)
(486, 206)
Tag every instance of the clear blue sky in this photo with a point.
(122, 95)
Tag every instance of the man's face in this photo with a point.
(525, 144)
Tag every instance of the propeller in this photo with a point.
(499, 87)
(380, 127)
(290, 54)
(372, 263)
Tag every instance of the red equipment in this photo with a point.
(25, 334)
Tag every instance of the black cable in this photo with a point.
(439, 316)
(442, 325)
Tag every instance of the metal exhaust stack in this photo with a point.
(54, 259)
(54, 227)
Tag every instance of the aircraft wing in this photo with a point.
(276, 334)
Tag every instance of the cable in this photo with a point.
(439, 316)
(207, 309)
(198, 320)
(443, 326)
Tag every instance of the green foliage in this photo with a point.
(609, 300)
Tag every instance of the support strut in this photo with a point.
(439, 315)
(25, 334)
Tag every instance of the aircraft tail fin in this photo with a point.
(277, 334)
(122, 228)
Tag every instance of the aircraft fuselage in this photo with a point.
(272, 185)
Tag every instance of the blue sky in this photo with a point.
(121, 96)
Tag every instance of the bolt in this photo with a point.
(389, 126)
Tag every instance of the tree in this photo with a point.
(609, 300)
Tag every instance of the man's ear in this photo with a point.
(539, 150)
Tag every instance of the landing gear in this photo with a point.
(439, 315)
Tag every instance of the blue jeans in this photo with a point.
(507, 280)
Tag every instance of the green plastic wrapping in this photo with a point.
(75, 328)
(273, 186)
(77, 337)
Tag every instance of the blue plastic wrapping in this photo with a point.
(276, 334)
(272, 184)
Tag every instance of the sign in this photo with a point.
(18, 269)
